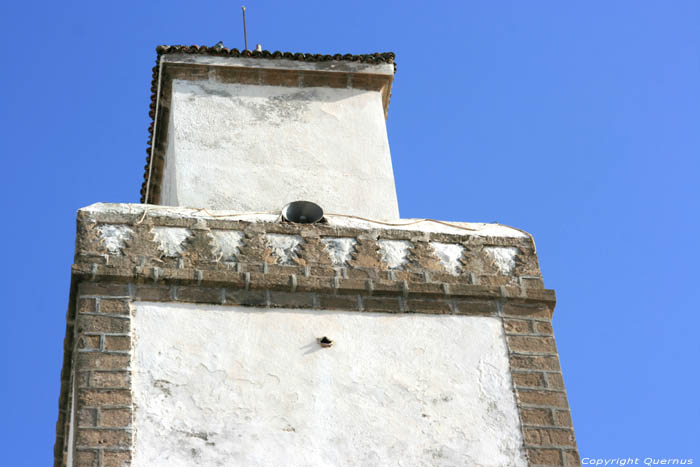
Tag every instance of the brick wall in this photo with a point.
(119, 259)
(538, 385)
(99, 361)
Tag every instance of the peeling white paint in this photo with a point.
(449, 255)
(114, 237)
(502, 257)
(227, 244)
(284, 247)
(252, 387)
(394, 252)
(334, 220)
(170, 239)
(340, 249)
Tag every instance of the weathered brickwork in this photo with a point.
(538, 385)
(100, 394)
(119, 260)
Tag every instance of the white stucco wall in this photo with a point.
(256, 148)
(240, 386)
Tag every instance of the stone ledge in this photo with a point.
(177, 216)
(520, 302)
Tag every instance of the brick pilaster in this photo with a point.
(538, 385)
(103, 403)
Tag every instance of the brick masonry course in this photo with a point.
(105, 281)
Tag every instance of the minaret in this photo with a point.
(205, 328)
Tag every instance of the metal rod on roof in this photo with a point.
(245, 34)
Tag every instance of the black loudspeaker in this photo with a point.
(302, 212)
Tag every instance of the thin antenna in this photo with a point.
(245, 34)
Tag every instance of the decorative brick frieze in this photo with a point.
(161, 241)
(225, 262)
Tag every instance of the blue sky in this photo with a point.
(576, 121)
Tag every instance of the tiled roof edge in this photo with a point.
(385, 57)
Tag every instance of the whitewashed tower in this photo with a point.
(204, 329)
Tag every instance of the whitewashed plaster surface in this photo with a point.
(284, 247)
(227, 244)
(449, 255)
(334, 219)
(170, 240)
(236, 386)
(340, 249)
(502, 257)
(114, 237)
(394, 252)
(257, 148)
